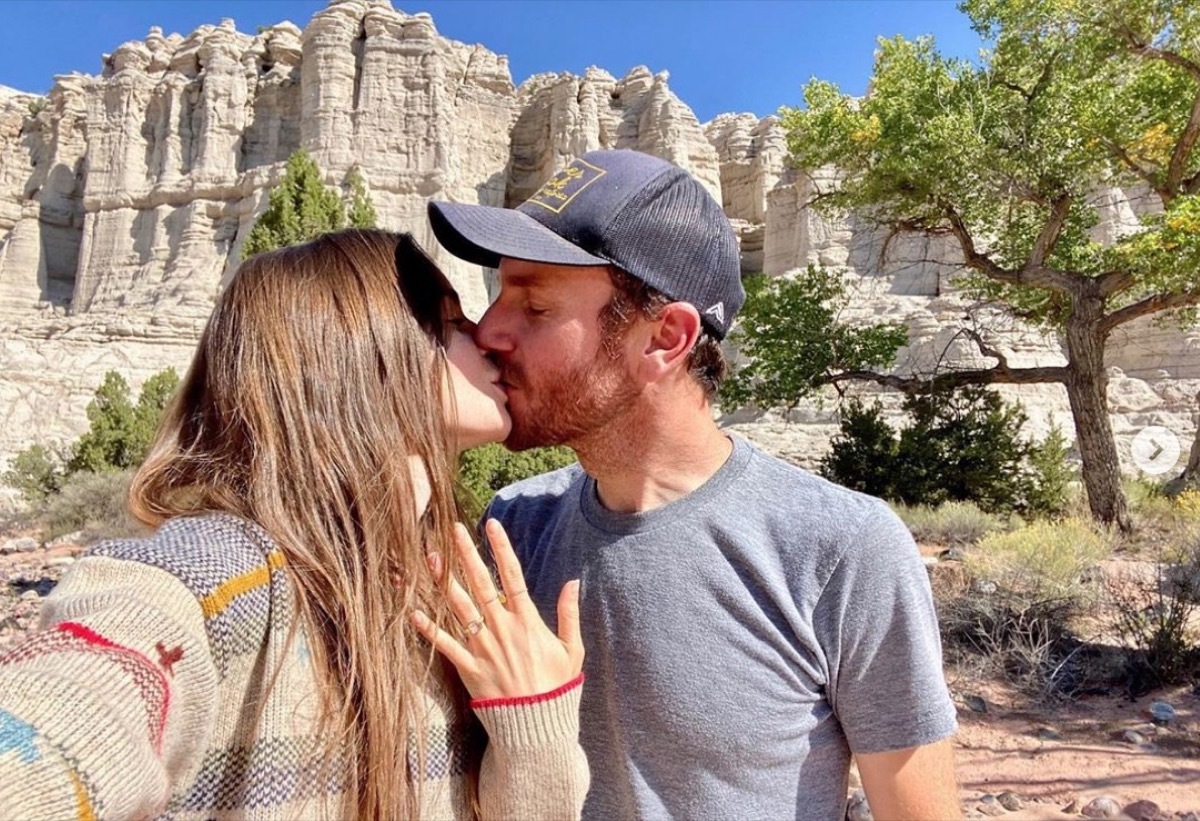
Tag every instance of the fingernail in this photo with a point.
(435, 563)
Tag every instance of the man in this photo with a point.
(747, 625)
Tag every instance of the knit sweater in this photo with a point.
(140, 696)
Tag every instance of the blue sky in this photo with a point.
(723, 55)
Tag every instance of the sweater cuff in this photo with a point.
(528, 721)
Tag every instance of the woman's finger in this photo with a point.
(478, 577)
(460, 601)
(569, 632)
(444, 643)
(509, 566)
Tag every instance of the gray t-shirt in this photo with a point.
(741, 641)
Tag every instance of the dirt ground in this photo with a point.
(1050, 756)
(1065, 753)
(1075, 752)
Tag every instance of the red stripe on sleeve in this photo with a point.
(522, 701)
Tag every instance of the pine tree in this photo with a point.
(121, 430)
(301, 207)
(361, 213)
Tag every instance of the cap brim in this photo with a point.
(483, 235)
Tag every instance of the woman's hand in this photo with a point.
(509, 650)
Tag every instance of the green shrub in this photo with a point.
(1049, 493)
(35, 472)
(484, 470)
(121, 431)
(1043, 559)
(95, 503)
(953, 524)
(961, 445)
(116, 442)
(863, 456)
(301, 208)
(360, 211)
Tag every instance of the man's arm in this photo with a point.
(916, 784)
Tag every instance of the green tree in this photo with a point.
(108, 443)
(361, 211)
(147, 413)
(790, 332)
(36, 472)
(1053, 474)
(121, 430)
(964, 445)
(300, 208)
(863, 455)
(960, 445)
(1006, 157)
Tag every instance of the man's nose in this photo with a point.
(489, 334)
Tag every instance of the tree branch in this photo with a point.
(1049, 233)
(1039, 85)
(1114, 282)
(1183, 148)
(1133, 165)
(1039, 276)
(957, 379)
(1152, 53)
(1014, 87)
(1001, 373)
(1150, 305)
(1044, 78)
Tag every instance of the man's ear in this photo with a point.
(670, 339)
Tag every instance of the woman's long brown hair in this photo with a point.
(317, 378)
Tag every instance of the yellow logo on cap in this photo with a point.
(564, 186)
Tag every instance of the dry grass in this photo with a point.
(1012, 613)
(951, 524)
(91, 503)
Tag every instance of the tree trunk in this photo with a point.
(1087, 390)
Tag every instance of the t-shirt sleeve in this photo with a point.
(877, 623)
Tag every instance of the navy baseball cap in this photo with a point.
(646, 216)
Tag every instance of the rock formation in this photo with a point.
(125, 198)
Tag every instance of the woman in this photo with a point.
(253, 658)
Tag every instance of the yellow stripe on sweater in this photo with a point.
(83, 807)
(219, 599)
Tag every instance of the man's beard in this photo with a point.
(567, 406)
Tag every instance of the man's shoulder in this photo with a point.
(816, 523)
(800, 491)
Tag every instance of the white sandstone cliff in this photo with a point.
(125, 198)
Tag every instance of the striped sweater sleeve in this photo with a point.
(110, 703)
(533, 767)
